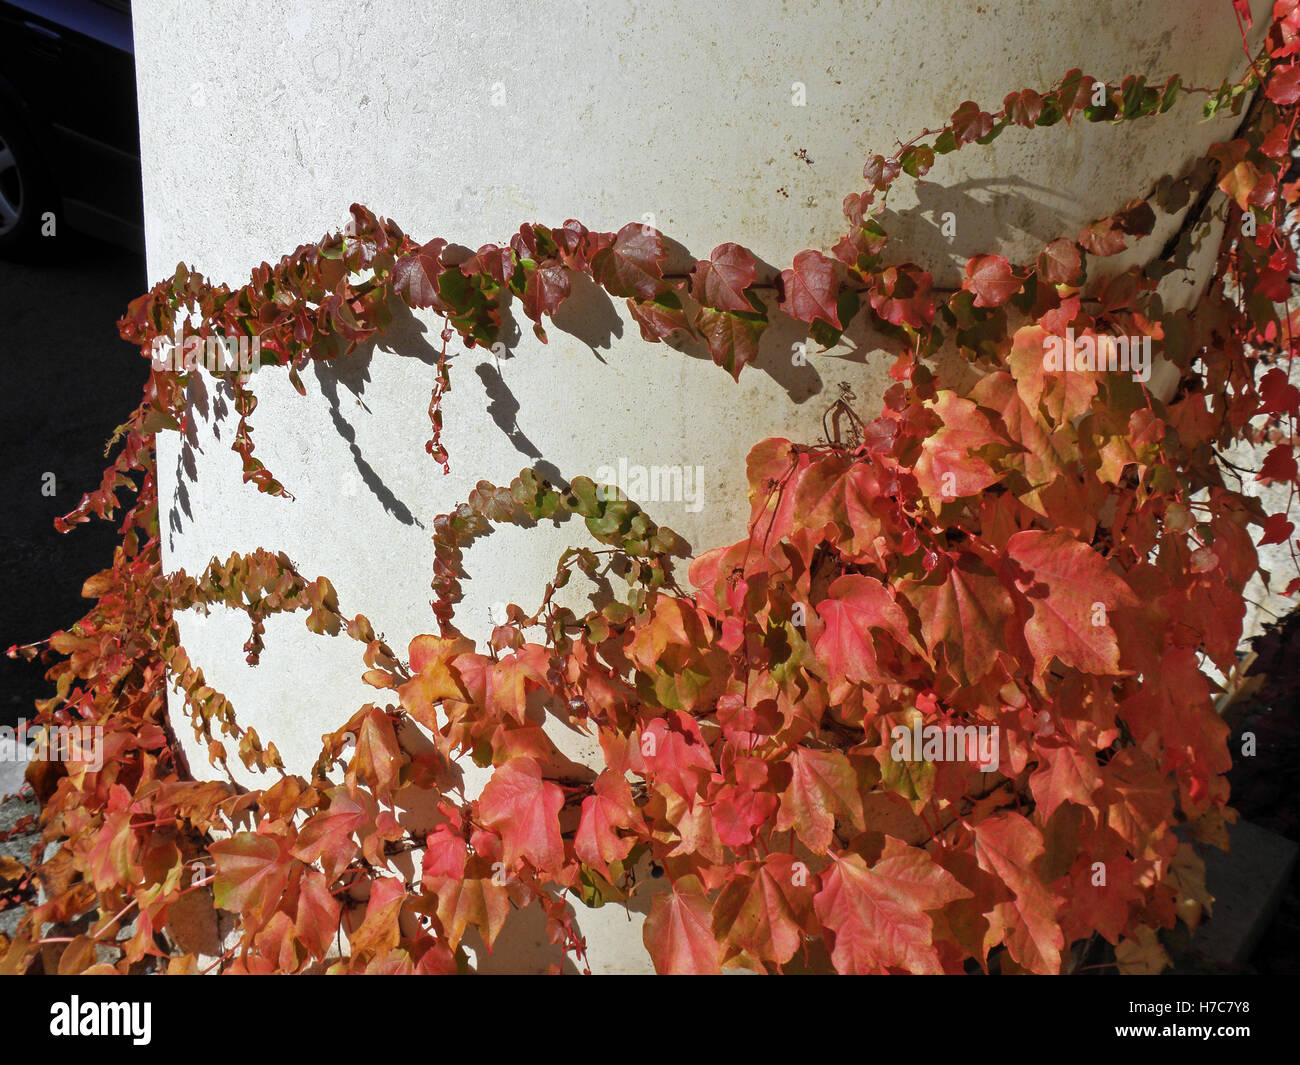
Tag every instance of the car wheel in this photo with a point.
(29, 203)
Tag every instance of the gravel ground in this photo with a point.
(18, 845)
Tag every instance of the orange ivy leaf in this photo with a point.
(379, 932)
(378, 758)
(1071, 590)
(822, 787)
(854, 606)
(966, 609)
(252, 872)
(877, 914)
(678, 932)
(1066, 773)
(766, 908)
(609, 809)
(470, 901)
(317, 918)
(113, 856)
(948, 468)
(1006, 845)
(525, 810)
(326, 836)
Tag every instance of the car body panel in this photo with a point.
(68, 68)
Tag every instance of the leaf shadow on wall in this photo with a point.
(588, 315)
(187, 472)
(405, 337)
(981, 224)
(503, 408)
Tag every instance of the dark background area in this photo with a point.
(69, 381)
(1266, 788)
(70, 158)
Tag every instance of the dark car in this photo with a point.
(69, 134)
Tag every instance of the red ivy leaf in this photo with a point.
(1278, 394)
(969, 123)
(445, 853)
(1103, 238)
(603, 813)
(659, 317)
(1060, 262)
(812, 286)
(1284, 85)
(1024, 107)
(732, 338)
(1278, 465)
(547, 287)
(1277, 529)
(881, 171)
(1286, 17)
(416, 275)
(720, 281)
(901, 296)
(630, 265)
(493, 260)
(742, 808)
(677, 757)
(990, 278)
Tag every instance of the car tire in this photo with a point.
(29, 200)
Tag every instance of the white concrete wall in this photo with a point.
(262, 120)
